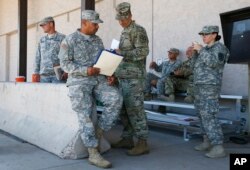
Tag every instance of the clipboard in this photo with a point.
(108, 62)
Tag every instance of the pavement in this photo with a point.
(168, 151)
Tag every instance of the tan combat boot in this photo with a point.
(96, 159)
(140, 148)
(126, 143)
(217, 151)
(189, 99)
(205, 145)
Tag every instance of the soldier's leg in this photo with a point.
(166, 86)
(133, 100)
(149, 78)
(82, 104)
(161, 86)
(210, 108)
(184, 85)
(205, 145)
(128, 132)
(170, 85)
(112, 103)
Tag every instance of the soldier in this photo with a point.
(165, 68)
(208, 70)
(47, 52)
(131, 73)
(78, 54)
(182, 78)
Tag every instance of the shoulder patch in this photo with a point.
(221, 56)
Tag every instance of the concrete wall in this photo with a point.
(52, 125)
(168, 23)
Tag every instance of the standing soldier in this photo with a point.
(47, 52)
(131, 74)
(78, 54)
(208, 70)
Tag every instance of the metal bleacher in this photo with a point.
(185, 121)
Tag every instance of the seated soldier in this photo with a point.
(181, 79)
(165, 68)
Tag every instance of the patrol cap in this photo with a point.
(122, 10)
(208, 29)
(91, 16)
(46, 20)
(174, 50)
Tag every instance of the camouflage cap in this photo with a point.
(46, 20)
(91, 16)
(174, 50)
(208, 29)
(122, 10)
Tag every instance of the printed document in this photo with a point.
(108, 62)
(115, 44)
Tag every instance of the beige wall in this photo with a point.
(168, 23)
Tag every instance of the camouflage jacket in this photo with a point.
(78, 52)
(186, 68)
(134, 48)
(209, 64)
(47, 54)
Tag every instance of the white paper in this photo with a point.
(108, 62)
(115, 44)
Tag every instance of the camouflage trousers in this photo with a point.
(149, 78)
(83, 98)
(207, 105)
(161, 85)
(133, 116)
(49, 79)
(173, 84)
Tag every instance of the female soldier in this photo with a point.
(208, 69)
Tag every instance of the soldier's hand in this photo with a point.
(118, 51)
(196, 46)
(65, 76)
(177, 72)
(93, 71)
(35, 77)
(112, 80)
(153, 65)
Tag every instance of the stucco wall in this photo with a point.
(168, 23)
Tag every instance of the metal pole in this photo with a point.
(22, 34)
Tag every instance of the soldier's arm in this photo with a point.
(213, 58)
(37, 60)
(66, 56)
(141, 49)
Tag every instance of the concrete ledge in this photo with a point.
(41, 114)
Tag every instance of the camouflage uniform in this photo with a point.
(78, 52)
(183, 82)
(47, 57)
(166, 68)
(131, 74)
(208, 70)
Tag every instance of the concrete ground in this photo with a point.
(168, 151)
